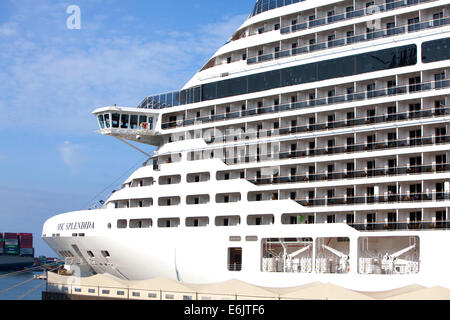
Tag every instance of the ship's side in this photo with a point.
(311, 147)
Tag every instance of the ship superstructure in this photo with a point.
(311, 147)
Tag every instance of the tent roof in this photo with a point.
(433, 293)
(326, 291)
(391, 293)
(157, 284)
(234, 287)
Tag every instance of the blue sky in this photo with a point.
(52, 78)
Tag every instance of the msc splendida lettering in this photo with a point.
(76, 226)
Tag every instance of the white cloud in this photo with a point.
(55, 82)
(72, 156)
(8, 30)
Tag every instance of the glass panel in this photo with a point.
(156, 104)
(115, 120)
(133, 122)
(150, 102)
(176, 99)
(108, 124)
(169, 99)
(436, 50)
(197, 94)
(142, 122)
(101, 121)
(124, 121)
(162, 101)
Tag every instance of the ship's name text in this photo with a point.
(76, 226)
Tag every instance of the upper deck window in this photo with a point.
(266, 5)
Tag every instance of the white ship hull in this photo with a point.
(200, 256)
(313, 146)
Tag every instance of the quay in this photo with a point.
(106, 287)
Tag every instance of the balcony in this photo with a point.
(375, 199)
(375, 146)
(415, 225)
(349, 40)
(357, 96)
(350, 15)
(354, 174)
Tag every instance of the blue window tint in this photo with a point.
(108, 125)
(101, 121)
(156, 102)
(124, 121)
(169, 99)
(265, 5)
(115, 120)
(176, 99)
(162, 101)
(183, 97)
(133, 122)
(197, 94)
(190, 96)
(272, 4)
(436, 50)
(142, 122)
(259, 5)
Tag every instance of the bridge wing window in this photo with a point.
(124, 121)
(107, 122)
(142, 122)
(115, 120)
(101, 121)
(134, 122)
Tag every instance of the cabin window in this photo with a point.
(168, 222)
(105, 254)
(234, 259)
(140, 223)
(122, 224)
(228, 221)
(197, 222)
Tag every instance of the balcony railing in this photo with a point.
(375, 199)
(348, 40)
(326, 151)
(414, 225)
(353, 174)
(331, 125)
(350, 15)
(351, 97)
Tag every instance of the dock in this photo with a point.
(106, 287)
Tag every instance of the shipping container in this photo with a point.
(25, 235)
(8, 235)
(26, 251)
(26, 244)
(11, 242)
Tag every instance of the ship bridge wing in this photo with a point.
(139, 125)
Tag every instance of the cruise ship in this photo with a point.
(312, 147)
